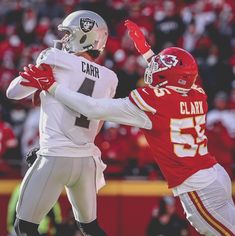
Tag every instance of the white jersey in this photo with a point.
(64, 132)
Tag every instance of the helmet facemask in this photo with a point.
(155, 66)
(148, 79)
(64, 42)
(68, 38)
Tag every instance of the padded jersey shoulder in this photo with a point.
(144, 98)
(57, 58)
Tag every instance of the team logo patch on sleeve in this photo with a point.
(86, 24)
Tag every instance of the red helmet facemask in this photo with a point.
(173, 67)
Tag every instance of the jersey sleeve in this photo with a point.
(120, 110)
(114, 86)
(17, 91)
(143, 98)
(199, 91)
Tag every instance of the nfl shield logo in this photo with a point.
(86, 24)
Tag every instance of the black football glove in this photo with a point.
(31, 156)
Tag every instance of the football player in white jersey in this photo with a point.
(67, 156)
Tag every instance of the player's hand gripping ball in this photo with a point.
(41, 78)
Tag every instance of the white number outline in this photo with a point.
(159, 92)
(185, 145)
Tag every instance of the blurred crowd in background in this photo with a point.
(206, 28)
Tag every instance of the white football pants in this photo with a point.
(46, 179)
(211, 210)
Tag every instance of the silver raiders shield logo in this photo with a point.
(86, 24)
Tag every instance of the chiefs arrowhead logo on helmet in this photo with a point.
(164, 62)
(86, 24)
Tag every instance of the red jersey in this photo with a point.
(177, 138)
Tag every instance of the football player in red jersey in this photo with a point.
(171, 111)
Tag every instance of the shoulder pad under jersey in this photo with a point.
(44, 56)
(55, 57)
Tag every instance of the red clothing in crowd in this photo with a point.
(7, 141)
(221, 145)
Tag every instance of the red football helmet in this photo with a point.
(173, 67)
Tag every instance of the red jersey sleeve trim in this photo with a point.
(139, 101)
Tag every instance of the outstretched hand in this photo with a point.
(138, 37)
(41, 78)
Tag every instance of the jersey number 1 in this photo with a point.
(86, 88)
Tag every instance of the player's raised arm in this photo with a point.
(139, 40)
(116, 110)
